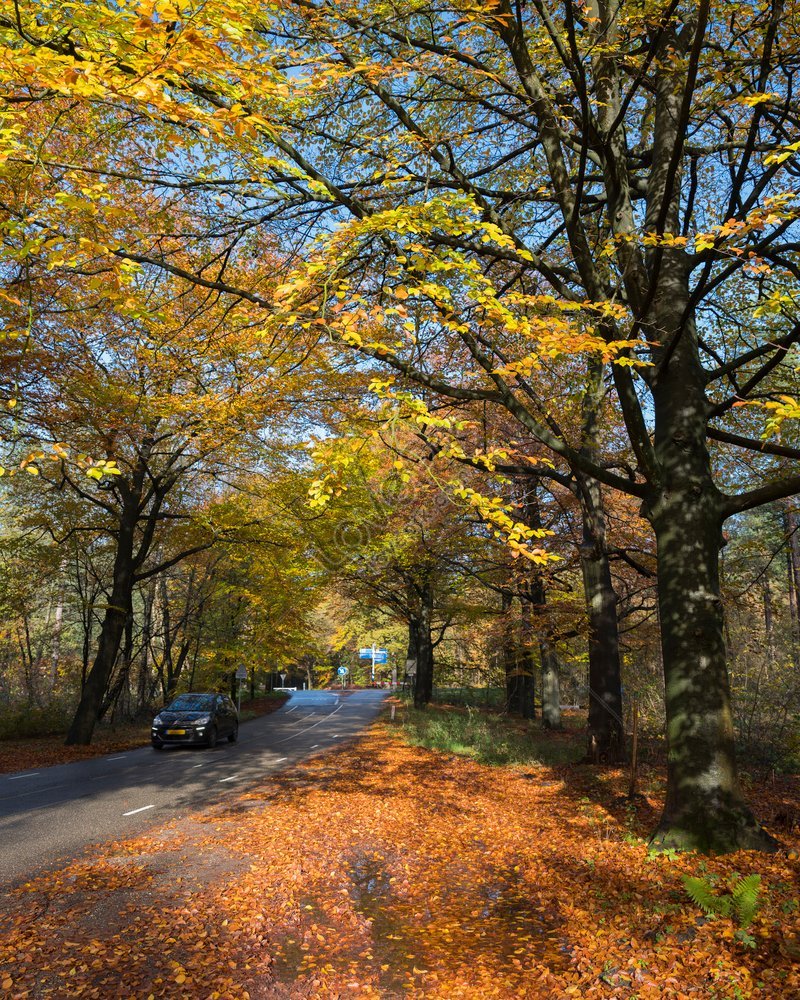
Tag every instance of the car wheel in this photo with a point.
(233, 735)
(212, 737)
(158, 745)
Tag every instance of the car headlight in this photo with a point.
(202, 720)
(158, 721)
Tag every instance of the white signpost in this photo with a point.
(376, 655)
(241, 675)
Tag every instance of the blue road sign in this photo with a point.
(342, 671)
(368, 652)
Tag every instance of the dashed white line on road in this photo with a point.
(141, 809)
(301, 731)
(315, 746)
(196, 765)
(116, 758)
(29, 774)
(232, 778)
(278, 761)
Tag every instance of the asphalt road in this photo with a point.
(52, 815)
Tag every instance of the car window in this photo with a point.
(191, 703)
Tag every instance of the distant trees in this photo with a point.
(392, 538)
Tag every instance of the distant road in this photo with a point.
(51, 815)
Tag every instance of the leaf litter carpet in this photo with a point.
(385, 870)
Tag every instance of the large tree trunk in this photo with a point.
(551, 687)
(705, 808)
(144, 679)
(606, 727)
(510, 659)
(423, 689)
(790, 527)
(413, 651)
(551, 684)
(117, 611)
(526, 665)
(58, 627)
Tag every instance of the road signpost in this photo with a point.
(241, 675)
(376, 655)
(342, 672)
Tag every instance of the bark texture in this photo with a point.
(705, 807)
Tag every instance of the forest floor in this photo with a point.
(388, 869)
(29, 753)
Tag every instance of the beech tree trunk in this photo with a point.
(58, 628)
(606, 736)
(423, 689)
(551, 687)
(526, 664)
(413, 651)
(509, 654)
(144, 679)
(606, 726)
(116, 614)
(793, 577)
(705, 808)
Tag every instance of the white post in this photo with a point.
(373, 663)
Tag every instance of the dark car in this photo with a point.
(195, 718)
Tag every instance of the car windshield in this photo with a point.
(191, 703)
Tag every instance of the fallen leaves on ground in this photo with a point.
(385, 870)
(31, 753)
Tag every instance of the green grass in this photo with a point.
(488, 737)
(494, 697)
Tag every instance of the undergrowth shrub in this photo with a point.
(22, 722)
(739, 903)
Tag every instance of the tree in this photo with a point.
(544, 181)
(161, 397)
(389, 534)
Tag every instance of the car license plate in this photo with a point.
(176, 732)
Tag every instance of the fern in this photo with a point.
(740, 903)
(745, 893)
(701, 894)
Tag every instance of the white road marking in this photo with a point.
(116, 758)
(141, 809)
(29, 774)
(301, 731)
(291, 709)
(196, 765)
(232, 778)
(278, 761)
(315, 746)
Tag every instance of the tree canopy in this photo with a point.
(558, 240)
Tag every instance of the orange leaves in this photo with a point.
(388, 870)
